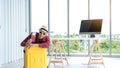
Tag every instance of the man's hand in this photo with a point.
(28, 42)
(35, 45)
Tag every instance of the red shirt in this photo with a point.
(44, 42)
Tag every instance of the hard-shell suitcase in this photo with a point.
(35, 57)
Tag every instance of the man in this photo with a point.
(41, 38)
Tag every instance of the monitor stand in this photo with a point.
(92, 36)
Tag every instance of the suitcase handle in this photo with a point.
(26, 47)
(23, 51)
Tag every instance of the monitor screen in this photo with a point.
(92, 26)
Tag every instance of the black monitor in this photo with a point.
(92, 26)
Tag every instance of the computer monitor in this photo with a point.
(92, 26)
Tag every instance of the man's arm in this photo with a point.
(23, 43)
(45, 44)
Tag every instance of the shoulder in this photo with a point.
(37, 34)
(47, 37)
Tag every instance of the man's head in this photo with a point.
(43, 32)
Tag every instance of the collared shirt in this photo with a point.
(44, 42)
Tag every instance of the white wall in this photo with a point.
(39, 14)
(14, 27)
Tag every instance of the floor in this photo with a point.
(74, 62)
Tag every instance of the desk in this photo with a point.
(58, 47)
(87, 39)
(77, 38)
(95, 45)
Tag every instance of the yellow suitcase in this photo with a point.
(35, 57)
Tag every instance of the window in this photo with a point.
(115, 32)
